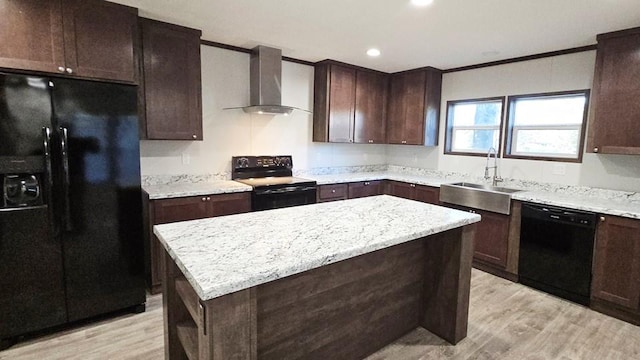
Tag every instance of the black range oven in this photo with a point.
(274, 185)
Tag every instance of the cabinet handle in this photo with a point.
(370, 141)
(404, 141)
(595, 149)
(69, 71)
(204, 199)
(208, 198)
(194, 136)
(333, 190)
(413, 185)
(61, 68)
(602, 218)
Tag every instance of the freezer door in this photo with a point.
(31, 278)
(25, 108)
(99, 162)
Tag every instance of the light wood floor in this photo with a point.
(506, 321)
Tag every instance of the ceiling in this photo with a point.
(446, 34)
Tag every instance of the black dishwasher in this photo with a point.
(556, 251)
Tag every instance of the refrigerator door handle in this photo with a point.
(66, 183)
(46, 135)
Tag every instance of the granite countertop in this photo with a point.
(194, 189)
(230, 253)
(371, 176)
(609, 202)
(609, 205)
(627, 209)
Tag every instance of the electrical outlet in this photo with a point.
(559, 169)
(186, 159)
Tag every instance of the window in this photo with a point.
(547, 126)
(473, 126)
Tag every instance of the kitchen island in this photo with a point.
(331, 280)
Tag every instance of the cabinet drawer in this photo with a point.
(364, 189)
(332, 192)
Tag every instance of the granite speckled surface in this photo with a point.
(180, 189)
(382, 175)
(629, 209)
(183, 178)
(226, 254)
(603, 201)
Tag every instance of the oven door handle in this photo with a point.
(285, 190)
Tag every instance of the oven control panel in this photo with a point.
(261, 162)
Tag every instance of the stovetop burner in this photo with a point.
(274, 180)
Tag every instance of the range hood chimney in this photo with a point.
(265, 88)
(266, 85)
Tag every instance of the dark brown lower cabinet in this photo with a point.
(364, 189)
(182, 209)
(427, 194)
(497, 241)
(616, 268)
(492, 238)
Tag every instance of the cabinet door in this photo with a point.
(172, 81)
(614, 126)
(228, 204)
(400, 189)
(180, 209)
(31, 35)
(414, 101)
(99, 39)
(427, 194)
(616, 267)
(492, 238)
(369, 124)
(342, 94)
(364, 189)
(396, 115)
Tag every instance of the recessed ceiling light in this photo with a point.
(421, 2)
(373, 52)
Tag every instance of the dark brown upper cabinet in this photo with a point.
(171, 95)
(613, 126)
(414, 107)
(84, 38)
(371, 106)
(349, 105)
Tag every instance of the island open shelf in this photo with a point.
(387, 266)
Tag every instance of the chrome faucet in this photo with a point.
(496, 178)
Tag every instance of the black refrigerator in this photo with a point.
(71, 236)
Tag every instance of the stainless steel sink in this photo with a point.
(478, 196)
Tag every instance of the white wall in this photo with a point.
(566, 72)
(225, 83)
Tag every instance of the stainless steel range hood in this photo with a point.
(266, 83)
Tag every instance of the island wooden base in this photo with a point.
(345, 310)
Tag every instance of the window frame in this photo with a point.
(449, 133)
(509, 133)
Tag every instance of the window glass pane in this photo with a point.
(549, 111)
(552, 142)
(474, 114)
(547, 125)
(475, 140)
